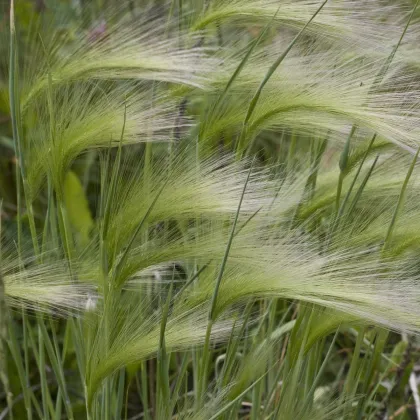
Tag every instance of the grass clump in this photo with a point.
(209, 210)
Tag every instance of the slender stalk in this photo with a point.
(400, 201)
(13, 98)
(343, 168)
(362, 186)
(267, 77)
(4, 319)
(388, 62)
(315, 382)
(16, 130)
(213, 304)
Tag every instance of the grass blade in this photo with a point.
(270, 72)
(400, 201)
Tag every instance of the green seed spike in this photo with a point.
(343, 167)
(337, 220)
(362, 186)
(345, 154)
(342, 207)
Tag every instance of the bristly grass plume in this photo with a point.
(209, 209)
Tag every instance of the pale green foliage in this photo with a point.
(306, 96)
(210, 190)
(44, 287)
(169, 241)
(136, 337)
(137, 50)
(86, 117)
(77, 207)
(355, 281)
(347, 21)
